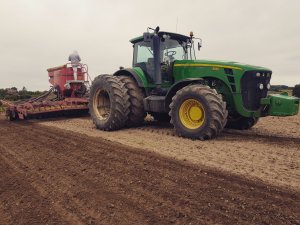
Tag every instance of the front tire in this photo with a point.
(108, 103)
(198, 112)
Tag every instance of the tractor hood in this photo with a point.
(218, 64)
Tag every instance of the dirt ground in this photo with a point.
(79, 175)
(269, 152)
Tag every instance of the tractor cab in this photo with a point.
(155, 53)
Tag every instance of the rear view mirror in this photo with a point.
(156, 29)
(147, 37)
(199, 44)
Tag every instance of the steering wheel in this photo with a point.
(170, 53)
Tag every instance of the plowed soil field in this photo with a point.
(65, 171)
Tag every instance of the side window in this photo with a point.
(142, 52)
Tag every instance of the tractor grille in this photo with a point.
(254, 87)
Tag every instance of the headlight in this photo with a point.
(268, 86)
(261, 86)
(258, 74)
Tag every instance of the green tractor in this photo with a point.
(199, 97)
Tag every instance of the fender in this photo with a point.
(178, 85)
(130, 72)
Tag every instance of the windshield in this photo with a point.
(172, 50)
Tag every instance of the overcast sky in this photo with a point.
(38, 34)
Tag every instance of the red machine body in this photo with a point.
(66, 97)
(62, 78)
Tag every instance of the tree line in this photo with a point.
(295, 90)
(13, 94)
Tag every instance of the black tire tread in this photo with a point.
(119, 99)
(136, 109)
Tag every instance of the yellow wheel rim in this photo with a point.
(191, 114)
(101, 104)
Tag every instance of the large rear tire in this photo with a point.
(241, 123)
(136, 109)
(198, 112)
(108, 103)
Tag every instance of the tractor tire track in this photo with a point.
(229, 134)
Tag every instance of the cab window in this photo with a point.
(142, 52)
